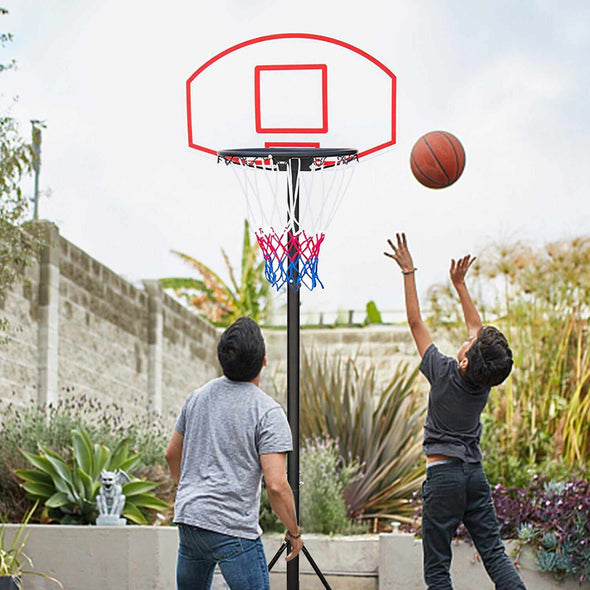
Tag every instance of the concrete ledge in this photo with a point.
(400, 560)
(144, 558)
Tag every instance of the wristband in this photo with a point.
(294, 537)
(409, 272)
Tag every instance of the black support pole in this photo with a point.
(293, 364)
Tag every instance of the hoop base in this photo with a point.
(273, 158)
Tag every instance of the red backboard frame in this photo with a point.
(392, 139)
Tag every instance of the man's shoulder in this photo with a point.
(265, 401)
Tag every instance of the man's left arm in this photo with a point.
(174, 455)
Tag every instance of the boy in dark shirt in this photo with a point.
(456, 489)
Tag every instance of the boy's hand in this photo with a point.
(401, 254)
(459, 269)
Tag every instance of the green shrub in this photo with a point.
(373, 314)
(325, 477)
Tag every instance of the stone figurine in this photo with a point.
(110, 499)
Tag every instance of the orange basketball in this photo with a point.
(437, 159)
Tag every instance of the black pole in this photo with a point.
(293, 363)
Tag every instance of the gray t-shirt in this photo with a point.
(226, 426)
(452, 426)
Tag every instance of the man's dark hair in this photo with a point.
(241, 350)
(490, 358)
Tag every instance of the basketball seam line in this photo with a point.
(439, 185)
(437, 160)
(457, 173)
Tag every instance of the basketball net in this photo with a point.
(290, 237)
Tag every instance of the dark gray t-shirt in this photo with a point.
(452, 426)
(226, 426)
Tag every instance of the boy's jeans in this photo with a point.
(453, 492)
(242, 561)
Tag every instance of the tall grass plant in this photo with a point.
(538, 420)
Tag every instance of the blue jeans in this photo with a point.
(455, 492)
(242, 561)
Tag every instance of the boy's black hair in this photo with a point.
(241, 350)
(490, 358)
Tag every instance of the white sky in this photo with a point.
(510, 79)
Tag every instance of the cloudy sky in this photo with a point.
(510, 79)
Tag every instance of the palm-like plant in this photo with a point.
(381, 429)
(220, 302)
(68, 492)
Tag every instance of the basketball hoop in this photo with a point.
(297, 92)
(290, 238)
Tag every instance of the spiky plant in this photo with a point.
(381, 428)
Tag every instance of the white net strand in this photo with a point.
(321, 208)
(346, 175)
(258, 199)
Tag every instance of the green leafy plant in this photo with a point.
(325, 477)
(28, 425)
(68, 490)
(381, 429)
(13, 557)
(220, 302)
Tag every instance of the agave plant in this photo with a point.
(68, 492)
(380, 429)
(220, 302)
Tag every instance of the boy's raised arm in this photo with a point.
(458, 271)
(402, 256)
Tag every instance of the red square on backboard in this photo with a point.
(322, 68)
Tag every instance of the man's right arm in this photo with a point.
(274, 468)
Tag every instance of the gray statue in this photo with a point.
(110, 499)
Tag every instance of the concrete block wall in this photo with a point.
(82, 329)
(79, 328)
(19, 368)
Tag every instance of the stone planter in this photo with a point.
(144, 558)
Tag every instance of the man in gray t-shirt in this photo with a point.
(228, 435)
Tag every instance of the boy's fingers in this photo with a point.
(390, 243)
(389, 254)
